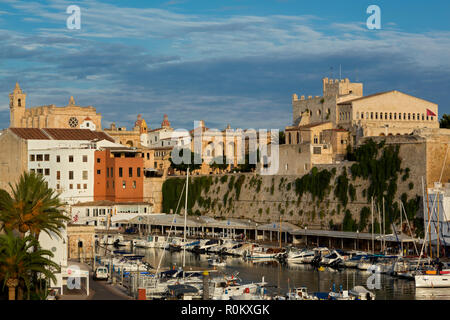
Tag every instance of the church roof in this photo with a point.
(77, 134)
(30, 133)
(59, 134)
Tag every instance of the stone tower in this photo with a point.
(17, 106)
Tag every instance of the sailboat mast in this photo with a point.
(438, 234)
(384, 229)
(429, 225)
(373, 248)
(185, 217)
(401, 227)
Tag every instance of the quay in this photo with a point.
(283, 233)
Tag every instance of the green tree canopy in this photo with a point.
(190, 163)
(445, 121)
(33, 207)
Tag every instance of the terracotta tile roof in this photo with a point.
(30, 133)
(306, 126)
(77, 134)
(366, 97)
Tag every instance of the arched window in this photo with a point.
(289, 136)
(409, 116)
(19, 102)
(395, 115)
(298, 137)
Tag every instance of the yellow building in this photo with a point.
(344, 105)
(131, 138)
(50, 116)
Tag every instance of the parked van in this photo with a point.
(101, 273)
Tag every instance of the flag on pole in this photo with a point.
(430, 113)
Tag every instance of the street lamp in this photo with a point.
(306, 237)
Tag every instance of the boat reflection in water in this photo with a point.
(432, 294)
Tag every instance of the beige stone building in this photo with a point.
(344, 105)
(50, 116)
(131, 138)
(81, 242)
(343, 115)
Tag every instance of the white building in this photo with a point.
(99, 213)
(67, 165)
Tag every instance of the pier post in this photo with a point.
(205, 285)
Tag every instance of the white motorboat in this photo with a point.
(300, 256)
(240, 249)
(334, 257)
(300, 293)
(361, 293)
(432, 280)
(258, 252)
(216, 262)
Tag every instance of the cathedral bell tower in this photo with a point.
(17, 106)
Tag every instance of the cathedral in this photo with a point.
(51, 116)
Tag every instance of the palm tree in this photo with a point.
(19, 260)
(445, 121)
(33, 207)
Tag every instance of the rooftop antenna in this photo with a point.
(340, 72)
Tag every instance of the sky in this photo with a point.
(234, 62)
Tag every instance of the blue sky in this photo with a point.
(227, 61)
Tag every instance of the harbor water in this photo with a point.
(281, 276)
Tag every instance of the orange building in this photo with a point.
(119, 175)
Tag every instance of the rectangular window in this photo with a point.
(107, 184)
(78, 186)
(87, 212)
(47, 172)
(32, 170)
(40, 171)
(70, 186)
(85, 175)
(98, 160)
(58, 175)
(85, 186)
(120, 172)
(58, 159)
(70, 158)
(112, 172)
(32, 157)
(148, 156)
(124, 184)
(134, 184)
(84, 158)
(130, 172)
(39, 157)
(98, 171)
(58, 187)
(107, 172)
(46, 157)
(70, 175)
(138, 172)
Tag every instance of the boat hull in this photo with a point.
(432, 281)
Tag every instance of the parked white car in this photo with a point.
(101, 273)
